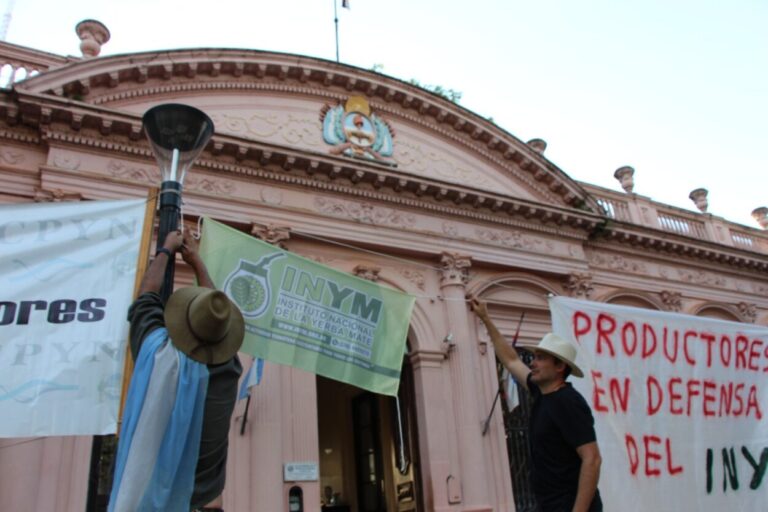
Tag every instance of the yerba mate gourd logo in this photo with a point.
(248, 285)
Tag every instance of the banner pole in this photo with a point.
(487, 422)
(141, 267)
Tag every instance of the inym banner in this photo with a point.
(678, 405)
(303, 314)
(67, 274)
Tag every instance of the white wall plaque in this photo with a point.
(300, 472)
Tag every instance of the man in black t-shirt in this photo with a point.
(147, 314)
(565, 456)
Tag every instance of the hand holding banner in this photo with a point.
(303, 314)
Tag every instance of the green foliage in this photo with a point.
(450, 94)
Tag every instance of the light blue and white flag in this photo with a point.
(160, 440)
(252, 378)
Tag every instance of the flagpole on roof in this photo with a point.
(336, 23)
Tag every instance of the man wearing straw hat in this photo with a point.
(173, 446)
(565, 456)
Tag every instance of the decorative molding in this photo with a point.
(501, 156)
(55, 196)
(272, 234)
(434, 164)
(146, 175)
(11, 157)
(747, 311)
(367, 272)
(414, 276)
(451, 229)
(579, 285)
(286, 127)
(211, 185)
(617, 262)
(366, 213)
(271, 195)
(514, 239)
(702, 277)
(454, 269)
(672, 300)
(69, 162)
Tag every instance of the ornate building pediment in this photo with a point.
(315, 106)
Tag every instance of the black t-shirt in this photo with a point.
(561, 421)
(146, 315)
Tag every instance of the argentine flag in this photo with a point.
(252, 378)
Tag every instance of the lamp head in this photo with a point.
(177, 133)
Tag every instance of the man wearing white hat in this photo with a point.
(565, 456)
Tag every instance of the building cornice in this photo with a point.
(67, 122)
(155, 74)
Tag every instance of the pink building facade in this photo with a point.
(450, 204)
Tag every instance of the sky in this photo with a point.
(677, 89)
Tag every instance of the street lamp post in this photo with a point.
(177, 134)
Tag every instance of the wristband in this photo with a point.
(165, 251)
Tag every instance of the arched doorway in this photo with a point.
(368, 448)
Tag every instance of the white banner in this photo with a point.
(679, 404)
(67, 274)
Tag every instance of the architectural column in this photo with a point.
(465, 369)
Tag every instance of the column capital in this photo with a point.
(454, 269)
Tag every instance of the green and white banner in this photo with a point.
(309, 316)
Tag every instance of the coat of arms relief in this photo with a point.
(354, 131)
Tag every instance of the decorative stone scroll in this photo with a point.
(747, 311)
(365, 212)
(272, 234)
(672, 300)
(368, 272)
(579, 285)
(514, 239)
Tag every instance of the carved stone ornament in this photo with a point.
(367, 272)
(68, 162)
(355, 132)
(147, 175)
(617, 262)
(699, 198)
(579, 285)
(514, 239)
(11, 157)
(454, 269)
(365, 212)
(209, 185)
(414, 276)
(625, 175)
(272, 234)
(55, 196)
(748, 311)
(761, 216)
(672, 300)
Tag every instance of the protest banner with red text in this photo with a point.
(679, 404)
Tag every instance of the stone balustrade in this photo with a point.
(18, 63)
(641, 210)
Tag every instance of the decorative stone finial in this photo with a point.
(625, 175)
(92, 35)
(699, 198)
(538, 145)
(761, 216)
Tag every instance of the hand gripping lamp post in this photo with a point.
(177, 134)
